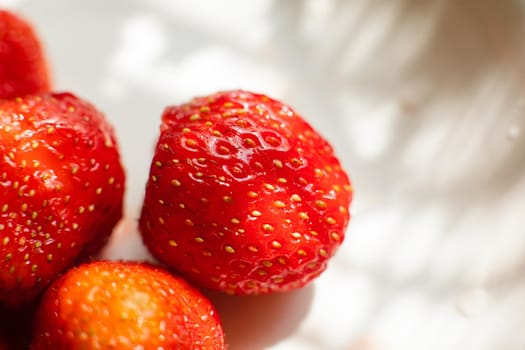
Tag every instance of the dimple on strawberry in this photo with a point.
(23, 66)
(244, 196)
(125, 305)
(61, 189)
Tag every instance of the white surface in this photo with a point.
(424, 102)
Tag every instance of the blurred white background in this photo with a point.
(424, 101)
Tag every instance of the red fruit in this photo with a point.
(23, 68)
(119, 305)
(244, 196)
(61, 189)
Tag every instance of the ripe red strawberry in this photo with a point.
(244, 196)
(61, 189)
(23, 67)
(125, 305)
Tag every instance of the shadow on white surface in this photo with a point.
(126, 243)
(258, 322)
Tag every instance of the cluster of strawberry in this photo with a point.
(243, 197)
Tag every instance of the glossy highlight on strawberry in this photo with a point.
(125, 305)
(61, 189)
(244, 196)
(23, 67)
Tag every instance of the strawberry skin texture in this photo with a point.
(125, 305)
(61, 189)
(23, 67)
(244, 196)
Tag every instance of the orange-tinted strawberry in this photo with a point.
(243, 195)
(125, 305)
(61, 189)
(23, 67)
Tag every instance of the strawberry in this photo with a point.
(125, 305)
(244, 196)
(23, 67)
(61, 189)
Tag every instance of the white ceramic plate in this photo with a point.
(423, 101)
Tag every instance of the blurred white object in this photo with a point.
(472, 302)
(422, 100)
